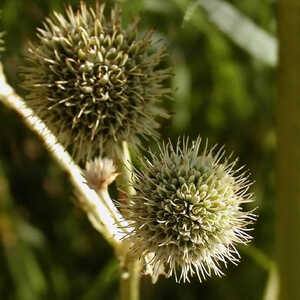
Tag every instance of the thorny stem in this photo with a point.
(100, 210)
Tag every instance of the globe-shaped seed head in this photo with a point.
(186, 214)
(93, 82)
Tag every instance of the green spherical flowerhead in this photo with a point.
(93, 82)
(186, 214)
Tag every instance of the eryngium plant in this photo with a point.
(186, 214)
(93, 82)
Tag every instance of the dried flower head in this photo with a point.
(93, 82)
(186, 213)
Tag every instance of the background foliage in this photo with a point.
(48, 249)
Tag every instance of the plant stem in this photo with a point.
(100, 210)
(288, 151)
(99, 207)
(125, 167)
(130, 279)
(130, 267)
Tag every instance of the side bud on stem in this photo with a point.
(99, 173)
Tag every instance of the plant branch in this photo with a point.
(130, 266)
(100, 210)
(125, 166)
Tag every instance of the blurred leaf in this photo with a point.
(24, 267)
(182, 85)
(158, 6)
(258, 256)
(30, 234)
(239, 28)
(61, 284)
(26, 273)
(107, 276)
(11, 11)
(130, 9)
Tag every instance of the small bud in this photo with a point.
(99, 173)
(188, 224)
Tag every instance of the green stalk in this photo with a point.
(130, 280)
(125, 168)
(101, 211)
(130, 267)
(288, 152)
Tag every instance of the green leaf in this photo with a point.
(106, 277)
(238, 27)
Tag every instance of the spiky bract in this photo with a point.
(93, 82)
(187, 212)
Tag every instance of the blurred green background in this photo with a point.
(48, 248)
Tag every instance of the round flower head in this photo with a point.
(186, 214)
(93, 82)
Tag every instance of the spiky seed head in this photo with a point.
(93, 82)
(186, 213)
